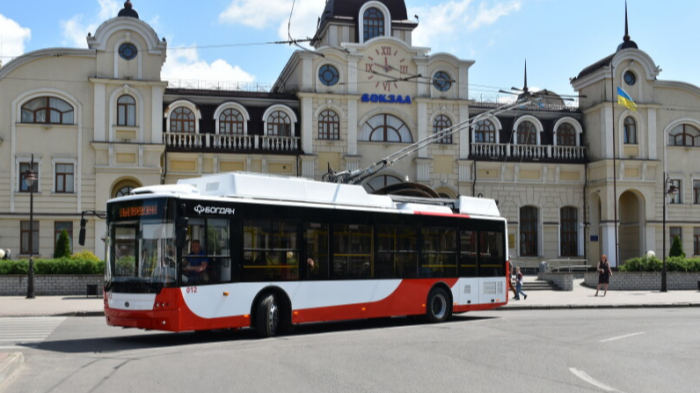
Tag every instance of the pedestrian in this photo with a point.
(604, 274)
(510, 283)
(519, 284)
(7, 255)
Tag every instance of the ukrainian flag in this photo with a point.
(625, 100)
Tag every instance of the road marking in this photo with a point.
(589, 379)
(29, 329)
(619, 337)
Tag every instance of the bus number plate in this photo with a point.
(191, 289)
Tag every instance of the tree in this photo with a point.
(62, 245)
(676, 248)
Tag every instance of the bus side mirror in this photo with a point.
(181, 231)
(81, 236)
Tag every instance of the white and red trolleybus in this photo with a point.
(242, 250)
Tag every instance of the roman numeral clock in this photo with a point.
(385, 66)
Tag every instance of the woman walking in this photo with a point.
(519, 284)
(604, 274)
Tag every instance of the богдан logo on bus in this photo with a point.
(199, 209)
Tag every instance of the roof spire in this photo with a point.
(525, 82)
(626, 38)
(626, 41)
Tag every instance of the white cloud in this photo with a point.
(75, 30)
(447, 20)
(13, 37)
(263, 14)
(185, 64)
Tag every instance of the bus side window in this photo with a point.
(316, 243)
(467, 253)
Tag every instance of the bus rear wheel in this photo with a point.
(439, 306)
(268, 316)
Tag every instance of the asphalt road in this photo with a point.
(626, 350)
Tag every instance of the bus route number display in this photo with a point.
(138, 211)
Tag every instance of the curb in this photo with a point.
(8, 364)
(592, 306)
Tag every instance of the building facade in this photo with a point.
(101, 121)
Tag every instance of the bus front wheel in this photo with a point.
(268, 316)
(439, 306)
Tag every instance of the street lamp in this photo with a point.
(30, 178)
(668, 189)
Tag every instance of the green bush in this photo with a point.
(676, 248)
(62, 245)
(86, 255)
(53, 266)
(674, 264)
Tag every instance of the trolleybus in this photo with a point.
(242, 250)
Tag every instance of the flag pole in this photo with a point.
(612, 102)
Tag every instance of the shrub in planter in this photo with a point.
(643, 264)
(62, 245)
(53, 266)
(676, 248)
(87, 255)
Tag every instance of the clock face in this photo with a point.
(384, 65)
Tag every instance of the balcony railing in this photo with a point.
(185, 141)
(528, 152)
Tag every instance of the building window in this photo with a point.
(182, 120)
(123, 191)
(675, 199)
(47, 110)
(328, 125)
(58, 227)
(527, 133)
(696, 241)
(24, 238)
(569, 232)
(441, 123)
(684, 135)
(23, 168)
(379, 182)
(279, 124)
(328, 75)
(385, 128)
(696, 192)
(373, 24)
(484, 132)
(128, 51)
(566, 135)
(65, 176)
(630, 78)
(528, 231)
(630, 131)
(442, 81)
(675, 232)
(231, 122)
(126, 111)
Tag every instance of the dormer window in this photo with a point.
(373, 21)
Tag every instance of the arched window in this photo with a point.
(684, 135)
(569, 231)
(440, 123)
(527, 133)
(566, 135)
(126, 190)
(47, 110)
(484, 132)
(528, 231)
(630, 131)
(328, 125)
(182, 120)
(373, 23)
(379, 182)
(126, 111)
(385, 128)
(279, 124)
(231, 122)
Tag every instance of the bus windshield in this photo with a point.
(141, 257)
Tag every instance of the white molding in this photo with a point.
(25, 157)
(639, 124)
(574, 123)
(533, 120)
(116, 94)
(283, 108)
(187, 104)
(496, 123)
(139, 55)
(361, 20)
(232, 105)
(64, 160)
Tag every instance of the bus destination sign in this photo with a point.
(138, 211)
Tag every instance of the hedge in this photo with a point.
(53, 266)
(653, 264)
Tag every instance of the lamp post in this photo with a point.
(668, 189)
(30, 178)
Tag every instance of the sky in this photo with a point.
(224, 40)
